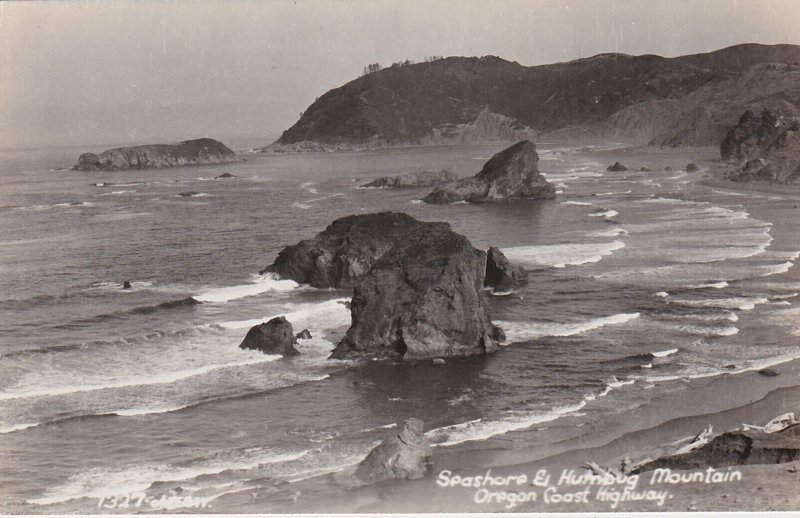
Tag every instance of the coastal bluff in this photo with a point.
(766, 147)
(201, 151)
(512, 173)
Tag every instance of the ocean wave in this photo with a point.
(151, 379)
(611, 384)
(318, 315)
(743, 303)
(257, 285)
(56, 205)
(309, 187)
(582, 203)
(717, 285)
(480, 429)
(101, 482)
(560, 256)
(664, 354)
(605, 213)
(704, 330)
(612, 232)
(522, 331)
(778, 268)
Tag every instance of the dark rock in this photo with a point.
(776, 160)
(692, 167)
(421, 299)
(421, 179)
(736, 448)
(188, 194)
(406, 455)
(668, 168)
(189, 152)
(126, 285)
(644, 169)
(510, 174)
(616, 166)
(500, 273)
(345, 250)
(305, 334)
(273, 337)
(730, 366)
(770, 373)
(750, 136)
(225, 176)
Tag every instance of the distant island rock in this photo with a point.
(766, 148)
(417, 179)
(510, 174)
(422, 299)
(685, 100)
(187, 153)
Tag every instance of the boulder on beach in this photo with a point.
(272, 337)
(406, 455)
(345, 250)
(417, 179)
(510, 174)
(189, 152)
(616, 167)
(422, 299)
(500, 273)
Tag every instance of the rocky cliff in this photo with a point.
(189, 152)
(766, 148)
(474, 99)
(512, 173)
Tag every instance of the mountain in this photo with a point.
(686, 100)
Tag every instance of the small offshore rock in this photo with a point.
(616, 166)
(770, 373)
(272, 337)
(644, 169)
(692, 167)
(305, 334)
(225, 176)
(188, 194)
(126, 285)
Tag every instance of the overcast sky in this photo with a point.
(123, 72)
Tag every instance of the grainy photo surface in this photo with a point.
(399, 257)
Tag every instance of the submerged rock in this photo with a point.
(616, 166)
(423, 298)
(420, 179)
(404, 456)
(273, 337)
(510, 174)
(189, 152)
(345, 250)
(500, 273)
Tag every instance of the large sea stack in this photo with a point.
(423, 298)
(189, 152)
(510, 174)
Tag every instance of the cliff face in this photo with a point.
(478, 99)
(189, 152)
(767, 148)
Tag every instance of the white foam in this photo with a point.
(100, 483)
(308, 186)
(614, 193)
(778, 268)
(663, 354)
(257, 285)
(571, 202)
(319, 315)
(16, 427)
(415, 202)
(717, 285)
(607, 213)
(479, 430)
(612, 232)
(706, 330)
(559, 256)
(662, 294)
(646, 366)
(150, 379)
(521, 331)
(743, 303)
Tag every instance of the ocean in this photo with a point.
(117, 400)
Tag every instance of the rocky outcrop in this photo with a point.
(189, 152)
(510, 174)
(736, 448)
(273, 337)
(767, 148)
(500, 273)
(692, 167)
(420, 179)
(616, 167)
(406, 455)
(305, 334)
(345, 250)
(423, 298)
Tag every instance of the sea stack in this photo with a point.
(510, 174)
(189, 152)
(273, 337)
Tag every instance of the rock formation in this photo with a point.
(692, 167)
(423, 298)
(510, 174)
(273, 337)
(500, 273)
(345, 250)
(421, 179)
(305, 334)
(767, 148)
(404, 456)
(189, 152)
(616, 167)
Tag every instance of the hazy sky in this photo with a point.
(91, 73)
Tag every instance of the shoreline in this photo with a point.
(725, 401)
